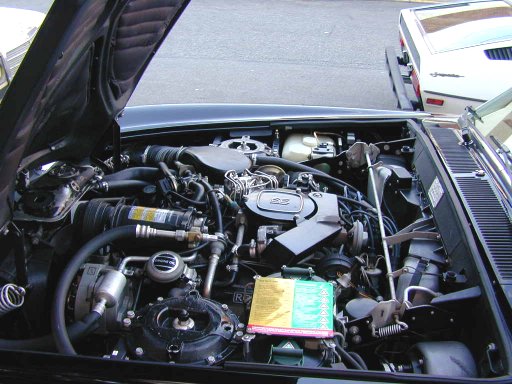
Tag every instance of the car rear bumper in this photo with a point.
(397, 80)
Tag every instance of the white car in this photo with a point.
(455, 54)
(17, 30)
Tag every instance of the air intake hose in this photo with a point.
(209, 160)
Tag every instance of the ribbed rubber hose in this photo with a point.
(59, 331)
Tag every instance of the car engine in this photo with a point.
(303, 248)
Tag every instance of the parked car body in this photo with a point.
(18, 28)
(207, 243)
(455, 54)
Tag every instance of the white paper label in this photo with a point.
(435, 192)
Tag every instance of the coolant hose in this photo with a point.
(134, 173)
(215, 206)
(198, 190)
(76, 331)
(59, 331)
(116, 185)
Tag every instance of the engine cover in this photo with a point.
(315, 216)
(280, 205)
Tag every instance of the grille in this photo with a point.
(15, 57)
(491, 222)
(457, 157)
(504, 53)
(488, 216)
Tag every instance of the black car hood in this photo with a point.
(78, 75)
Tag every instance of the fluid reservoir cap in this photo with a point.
(280, 205)
(165, 267)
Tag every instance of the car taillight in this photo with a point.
(438, 102)
(416, 84)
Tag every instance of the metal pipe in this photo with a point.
(407, 290)
(131, 259)
(387, 259)
(210, 274)
(191, 258)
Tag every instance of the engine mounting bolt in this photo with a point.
(127, 322)
(139, 351)
(357, 339)
(239, 335)
(353, 330)
(210, 359)
(130, 314)
(240, 326)
(159, 299)
(224, 307)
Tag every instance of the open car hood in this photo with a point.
(78, 75)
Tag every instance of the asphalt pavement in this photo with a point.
(312, 52)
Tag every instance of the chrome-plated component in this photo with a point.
(246, 145)
(407, 303)
(100, 307)
(237, 187)
(11, 298)
(127, 322)
(168, 266)
(183, 322)
(385, 247)
(131, 259)
(239, 335)
(390, 330)
(192, 236)
(139, 351)
(110, 288)
(210, 274)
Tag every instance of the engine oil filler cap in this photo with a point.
(165, 267)
(280, 205)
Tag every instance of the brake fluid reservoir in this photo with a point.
(302, 147)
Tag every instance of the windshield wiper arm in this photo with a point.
(474, 113)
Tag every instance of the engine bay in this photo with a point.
(307, 247)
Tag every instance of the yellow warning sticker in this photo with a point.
(153, 215)
(292, 308)
(272, 302)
